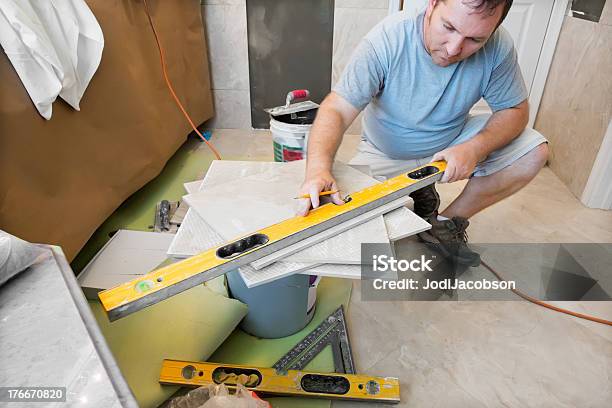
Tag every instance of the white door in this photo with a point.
(527, 22)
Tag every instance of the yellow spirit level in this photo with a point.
(165, 282)
(295, 383)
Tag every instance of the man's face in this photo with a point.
(453, 30)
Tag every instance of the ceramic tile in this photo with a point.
(456, 346)
(267, 197)
(337, 244)
(335, 271)
(192, 186)
(193, 236)
(402, 223)
(126, 255)
(350, 25)
(232, 109)
(253, 277)
(375, 231)
(606, 15)
(226, 33)
(543, 211)
(340, 248)
(576, 104)
(343, 248)
(269, 193)
(581, 85)
(571, 157)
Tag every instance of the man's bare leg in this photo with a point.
(481, 192)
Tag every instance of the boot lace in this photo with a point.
(458, 229)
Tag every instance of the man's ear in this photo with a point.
(430, 6)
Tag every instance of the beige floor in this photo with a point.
(483, 354)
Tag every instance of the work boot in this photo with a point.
(450, 239)
(426, 201)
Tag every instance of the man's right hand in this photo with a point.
(314, 184)
(333, 118)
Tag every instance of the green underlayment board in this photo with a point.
(137, 213)
(181, 327)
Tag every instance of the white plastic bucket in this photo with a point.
(289, 140)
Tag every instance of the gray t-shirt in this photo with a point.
(414, 107)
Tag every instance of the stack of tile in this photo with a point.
(236, 198)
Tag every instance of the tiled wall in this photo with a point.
(577, 103)
(226, 32)
(352, 20)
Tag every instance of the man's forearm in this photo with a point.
(503, 127)
(333, 118)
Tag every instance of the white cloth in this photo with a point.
(54, 45)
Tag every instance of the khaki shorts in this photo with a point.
(382, 167)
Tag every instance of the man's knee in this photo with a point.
(533, 162)
(540, 155)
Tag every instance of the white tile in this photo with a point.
(265, 197)
(345, 271)
(192, 186)
(232, 110)
(193, 236)
(325, 251)
(127, 254)
(402, 223)
(350, 25)
(333, 240)
(229, 208)
(226, 33)
(338, 244)
(253, 277)
(195, 233)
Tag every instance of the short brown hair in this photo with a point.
(490, 6)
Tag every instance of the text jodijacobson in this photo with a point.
(413, 284)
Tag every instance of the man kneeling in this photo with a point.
(416, 77)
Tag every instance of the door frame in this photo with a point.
(547, 53)
(598, 190)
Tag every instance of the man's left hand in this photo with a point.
(461, 160)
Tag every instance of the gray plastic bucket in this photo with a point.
(276, 309)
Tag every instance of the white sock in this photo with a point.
(442, 218)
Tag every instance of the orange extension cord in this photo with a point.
(546, 305)
(218, 156)
(169, 84)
